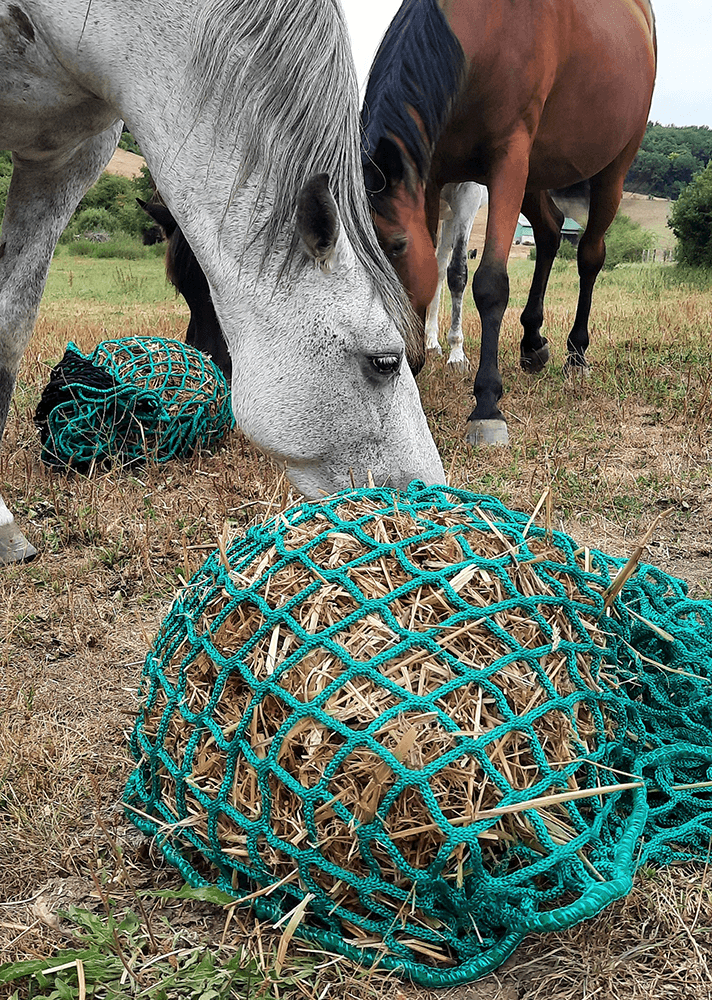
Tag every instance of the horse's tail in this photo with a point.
(574, 201)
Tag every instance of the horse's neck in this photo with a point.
(113, 50)
(196, 169)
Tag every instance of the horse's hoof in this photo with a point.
(480, 432)
(460, 365)
(576, 366)
(435, 349)
(535, 360)
(14, 547)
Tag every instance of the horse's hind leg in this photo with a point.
(457, 283)
(465, 206)
(546, 221)
(432, 317)
(606, 194)
(40, 202)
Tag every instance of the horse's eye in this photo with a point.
(396, 248)
(386, 364)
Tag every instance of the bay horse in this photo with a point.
(522, 97)
(459, 205)
(186, 275)
(316, 322)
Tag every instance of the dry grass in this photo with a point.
(74, 625)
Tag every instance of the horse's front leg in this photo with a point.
(490, 288)
(40, 202)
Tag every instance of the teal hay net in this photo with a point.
(426, 725)
(133, 399)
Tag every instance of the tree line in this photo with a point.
(668, 158)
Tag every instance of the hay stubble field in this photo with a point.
(616, 449)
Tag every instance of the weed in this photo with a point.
(128, 283)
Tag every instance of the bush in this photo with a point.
(567, 251)
(625, 242)
(110, 192)
(117, 195)
(691, 220)
(89, 220)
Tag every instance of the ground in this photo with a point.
(125, 164)
(615, 449)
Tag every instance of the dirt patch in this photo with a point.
(125, 164)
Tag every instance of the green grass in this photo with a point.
(110, 280)
(118, 956)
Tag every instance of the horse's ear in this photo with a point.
(387, 167)
(159, 214)
(318, 222)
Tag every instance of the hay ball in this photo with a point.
(392, 707)
(132, 399)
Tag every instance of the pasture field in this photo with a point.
(616, 449)
(650, 213)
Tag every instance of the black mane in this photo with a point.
(419, 65)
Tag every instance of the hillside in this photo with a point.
(651, 213)
(125, 164)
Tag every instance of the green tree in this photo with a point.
(668, 159)
(691, 221)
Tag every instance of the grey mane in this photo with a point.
(285, 74)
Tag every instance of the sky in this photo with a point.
(683, 92)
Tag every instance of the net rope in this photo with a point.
(132, 399)
(636, 701)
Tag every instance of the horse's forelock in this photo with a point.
(288, 91)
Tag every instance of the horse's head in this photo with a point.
(320, 378)
(397, 198)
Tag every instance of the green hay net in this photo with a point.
(132, 399)
(412, 715)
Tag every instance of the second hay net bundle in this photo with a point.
(416, 717)
(132, 399)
